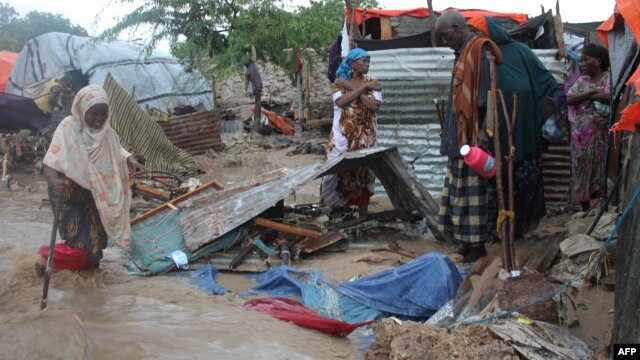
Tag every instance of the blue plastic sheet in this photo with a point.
(416, 289)
(313, 291)
(205, 278)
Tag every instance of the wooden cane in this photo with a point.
(510, 185)
(506, 251)
(54, 232)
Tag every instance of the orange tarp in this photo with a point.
(604, 28)
(631, 114)
(630, 11)
(7, 59)
(629, 120)
(278, 122)
(424, 12)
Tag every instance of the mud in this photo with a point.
(413, 340)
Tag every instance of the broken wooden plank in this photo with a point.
(237, 260)
(287, 228)
(540, 340)
(321, 242)
(319, 122)
(395, 251)
(170, 204)
(525, 289)
(154, 193)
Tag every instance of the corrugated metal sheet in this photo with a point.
(196, 132)
(556, 172)
(411, 80)
(225, 210)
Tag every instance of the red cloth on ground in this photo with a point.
(293, 311)
(66, 257)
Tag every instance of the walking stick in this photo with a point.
(54, 233)
(510, 185)
(502, 229)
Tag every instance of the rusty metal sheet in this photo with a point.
(196, 132)
(556, 174)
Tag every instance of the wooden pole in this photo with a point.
(287, 228)
(432, 17)
(506, 253)
(364, 23)
(510, 185)
(5, 164)
(559, 29)
(299, 76)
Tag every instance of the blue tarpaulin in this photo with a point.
(416, 289)
(313, 291)
(205, 278)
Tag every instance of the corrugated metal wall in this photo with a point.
(196, 132)
(411, 80)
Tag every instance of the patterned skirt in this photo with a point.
(463, 206)
(79, 224)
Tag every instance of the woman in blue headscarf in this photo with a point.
(356, 99)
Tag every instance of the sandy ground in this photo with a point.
(105, 307)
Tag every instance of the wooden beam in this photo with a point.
(558, 28)
(171, 204)
(432, 18)
(158, 194)
(287, 228)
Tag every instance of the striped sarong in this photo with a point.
(463, 206)
(142, 136)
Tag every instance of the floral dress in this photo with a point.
(589, 124)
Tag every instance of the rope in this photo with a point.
(502, 216)
(554, 292)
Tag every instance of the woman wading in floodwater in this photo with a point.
(88, 173)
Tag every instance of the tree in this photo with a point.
(15, 31)
(7, 14)
(217, 31)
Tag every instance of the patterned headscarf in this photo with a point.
(345, 72)
(95, 160)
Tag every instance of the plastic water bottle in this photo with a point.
(479, 160)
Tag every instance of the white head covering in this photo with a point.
(95, 160)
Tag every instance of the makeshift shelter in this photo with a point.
(21, 113)
(410, 28)
(7, 59)
(414, 75)
(154, 81)
(621, 34)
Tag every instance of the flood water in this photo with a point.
(108, 314)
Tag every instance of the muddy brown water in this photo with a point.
(109, 314)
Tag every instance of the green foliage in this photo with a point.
(212, 35)
(15, 31)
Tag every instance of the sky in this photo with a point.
(98, 15)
